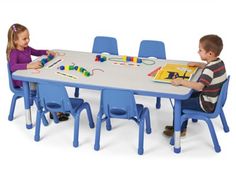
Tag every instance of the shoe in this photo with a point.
(169, 127)
(170, 133)
(61, 116)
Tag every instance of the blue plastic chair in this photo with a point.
(102, 44)
(198, 115)
(105, 44)
(150, 48)
(121, 104)
(54, 98)
(19, 93)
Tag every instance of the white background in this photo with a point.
(73, 25)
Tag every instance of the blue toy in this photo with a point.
(45, 60)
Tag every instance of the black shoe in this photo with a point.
(61, 116)
(169, 127)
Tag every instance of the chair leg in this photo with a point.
(108, 124)
(224, 122)
(89, 115)
(146, 115)
(213, 135)
(76, 94)
(55, 118)
(37, 127)
(158, 103)
(141, 135)
(97, 133)
(76, 132)
(45, 122)
(12, 108)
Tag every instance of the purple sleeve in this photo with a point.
(14, 63)
(37, 52)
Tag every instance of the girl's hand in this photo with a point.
(34, 65)
(50, 52)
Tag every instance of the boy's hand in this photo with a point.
(192, 64)
(177, 81)
(197, 64)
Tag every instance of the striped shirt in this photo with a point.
(213, 77)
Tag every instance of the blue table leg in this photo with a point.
(177, 126)
(27, 105)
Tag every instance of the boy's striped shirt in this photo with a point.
(213, 77)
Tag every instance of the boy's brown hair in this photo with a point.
(212, 43)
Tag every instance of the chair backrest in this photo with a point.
(11, 85)
(53, 97)
(150, 48)
(223, 96)
(118, 103)
(105, 44)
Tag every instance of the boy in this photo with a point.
(209, 83)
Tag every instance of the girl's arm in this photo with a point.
(15, 64)
(37, 52)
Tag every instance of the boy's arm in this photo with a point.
(194, 85)
(197, 64)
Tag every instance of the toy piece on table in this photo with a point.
(75, 68)
(131, 59)
(54, 63)
(100, 58)
(45, 60)
(154, 72)
(125, 59)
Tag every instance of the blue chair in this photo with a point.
(198, 115)
(54, 98)
(102, 44)
(105, 44)
(121, 104)
(18, 92)
(150, 48)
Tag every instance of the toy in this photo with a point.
(100, 58)
(133, 59)
(45, 60)
(76, 68)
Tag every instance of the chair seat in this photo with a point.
(53, 97)
(199, 113)
(121, 104)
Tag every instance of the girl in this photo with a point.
(19, 54)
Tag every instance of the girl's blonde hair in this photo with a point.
(13, 32)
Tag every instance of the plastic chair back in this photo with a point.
(12, 88)
(54, 98)
(105, 44)
(222, 97)
(118, 103)
(150, 48)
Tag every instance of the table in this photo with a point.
(109, 74)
